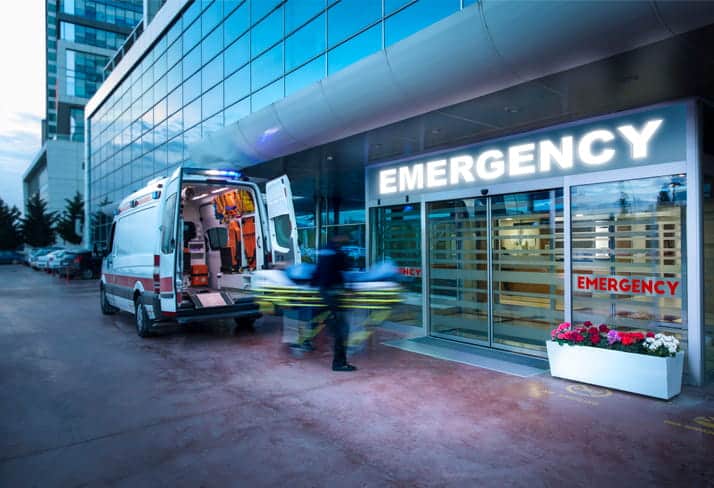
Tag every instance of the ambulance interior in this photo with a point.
(220, 238)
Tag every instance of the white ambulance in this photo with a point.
(184, 248)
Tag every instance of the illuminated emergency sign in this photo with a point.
(628, 285)
(647, 137)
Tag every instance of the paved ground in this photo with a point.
(85, 402)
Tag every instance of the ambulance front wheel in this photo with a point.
(143, 322)
(107, 309)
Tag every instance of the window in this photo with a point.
(392, 5)
(212, 73)
(267, 95)
(212, 45)
(416, 17)
(236, 111)
(91, 36)
(192, 113)
(192, 62)
(267, 67)
(297, 12)
(212, 101)
(267, 32)
(168, 225)
(355, 49)
(628, 253)
(83, 73)
(192, 88)
(305, 43)
(237, 85)
(350, 16)
(211, 16)
(76, 124)
(191, 37)
(261, 7)
(236, 55)
(305, 75)
(236, 24)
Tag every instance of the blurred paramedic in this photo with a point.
(331, 262)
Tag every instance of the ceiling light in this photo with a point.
(219, 190)
(200, 196)
(511, 109)
(435, 131)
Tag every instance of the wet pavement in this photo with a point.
(85, 402)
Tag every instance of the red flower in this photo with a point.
(626, 339)
(650, 334)
(587, 323)
(561, 336)
(595, 339)
(578, 337)
(604, 328)
(582, 330)
(592, 330)
(638, 336)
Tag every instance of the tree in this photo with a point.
(37, 225)
(101, 222)
(73, 212)
(10, 237)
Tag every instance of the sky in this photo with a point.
(22, 91)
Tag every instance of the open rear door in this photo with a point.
(282, 224)
(169, 245)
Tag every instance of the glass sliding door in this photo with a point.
(396, 235)
(458, 273)
(496, 269)
(527, 263)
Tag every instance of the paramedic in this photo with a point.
(332, 261)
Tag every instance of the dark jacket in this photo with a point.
(331, 262)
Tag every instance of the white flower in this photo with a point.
(649, 340)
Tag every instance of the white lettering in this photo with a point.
(388, 181)
(518, 156)
(436, 173)
(497, 166)
(585, 147)
(413, 180)
(461, 167)
(562, 155)
(639, 142)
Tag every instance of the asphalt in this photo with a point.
(85, 402)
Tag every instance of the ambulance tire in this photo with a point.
(245, 323)
(107, 308)
(143, 322)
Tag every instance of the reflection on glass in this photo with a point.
(192, 113)
(237, 85)
(298, 12)
(416, 17)
(396, 235)
(267, 67)
(212, 101)
(392, 5)
(192, 62)
(191, 37)
(212, 73)
(192, 88)
(349, 16)
(236, 55)
(363, 45)
(211, 16)
(305, 75)
(212, 45)
(708, 278)
(174, 100)
(237, 111)
(458, 268)
(305, 43)
(632, 235)
(527, 257)
(267, 95)
(267, 32)
(236, 24)
(261, 7)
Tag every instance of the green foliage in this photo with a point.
(101, 223)
(66, 225)
(10, 236)
(37, 225)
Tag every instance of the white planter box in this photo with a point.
(637, 373)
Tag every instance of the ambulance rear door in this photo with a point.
(282, 225)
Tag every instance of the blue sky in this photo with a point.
(22, 91)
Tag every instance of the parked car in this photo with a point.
(80, 263)
(36, 254)
(43, 260)
(53, 261)
(10, 257)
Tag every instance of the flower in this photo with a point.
(578, 337)
(650, 335)
(603, 328)
(595, 339)
(588, 324)
(561, 336)
(593, 330)
(612, 337)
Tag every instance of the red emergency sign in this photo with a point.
(628, 285)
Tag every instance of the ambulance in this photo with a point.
(185, 247)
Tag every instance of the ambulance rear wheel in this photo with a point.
(107, 309)
(143, 322)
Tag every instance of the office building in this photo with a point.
(526, 163)
(81, 37)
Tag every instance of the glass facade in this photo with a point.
(83, 73)
(76, 124)
(110, 12)
(82, 34)
(220, 61)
